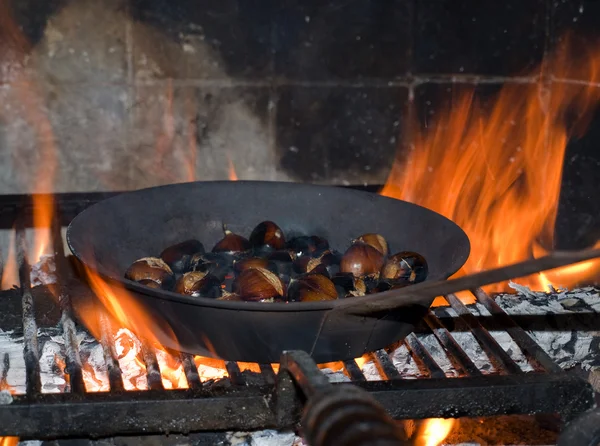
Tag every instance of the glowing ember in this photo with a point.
(433, 431)
(497, 171)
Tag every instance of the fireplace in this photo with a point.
(399, 97)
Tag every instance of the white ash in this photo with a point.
(566, 346)
(5, 397)
(264, 438)
(44, 271)
(128, 348)
(404, 363)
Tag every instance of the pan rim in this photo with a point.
(245, 305)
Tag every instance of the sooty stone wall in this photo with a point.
(143, 92)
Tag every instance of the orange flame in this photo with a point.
(10, 274)
(433, 431)
(136, 323)
(497, 171)
(9, 441)
(232, 173)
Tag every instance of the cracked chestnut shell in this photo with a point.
(377, 241)
(257, 284)
(312, 288)
(406, 266)
(361, 259)
(198, 283)
(178, 256)
(151, 268)
(232, 243)
(267, 233)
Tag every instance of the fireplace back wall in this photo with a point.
(146, 92)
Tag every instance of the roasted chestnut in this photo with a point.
(312, 288)
(178, 256)
(306, 245)
(232, 243)
(325, 262)
(198, 283)
(150, 283)
(347, 285)
(151, 268)
(256, 284)
(361, 259)
(230, 296)
(377, 241)
(219, 264)
(250, 262)
(267, 233)
(405, 267)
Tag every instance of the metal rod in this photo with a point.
(422, 356)
(354, 370)
(33, 381)
(72, 358)
(152, 367)
(267, 373)
(115, 376)
(497, 355)
(424, 291)
(456, 353)
(386, 364)
(235, 374)
(520, 336)
(191, 371)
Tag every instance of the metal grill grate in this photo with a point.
(246, 401)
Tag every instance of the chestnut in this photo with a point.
(178, 256)
(347, 285)
(151, 268)
(312, 288)
(405, 267)
(150, 283)
(198, 283)
(304, 245)
(250, 262)
(230, 296)
(326, 262)
(267, 233)
(377, 241)
(219, 264)
(232, 243)
(361, 259)
(256, 284)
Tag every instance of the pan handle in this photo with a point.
(392, 299)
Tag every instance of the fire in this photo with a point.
(497, 171)
(232, 173)
(433, 431)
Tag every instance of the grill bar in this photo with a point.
(386, 365)
(456, 353)
(152, 367)
(423, 357)
(115, 376)
(523, 340)
(246, 400)
(500, 359)
(191, 371)
(354, 370)
(33, 381)
(72, 358)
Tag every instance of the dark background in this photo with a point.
(340, 73)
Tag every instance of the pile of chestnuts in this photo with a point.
(268, 268)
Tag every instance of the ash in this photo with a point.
(44, 271)
(562, 311)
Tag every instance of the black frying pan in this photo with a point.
(112, 234)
